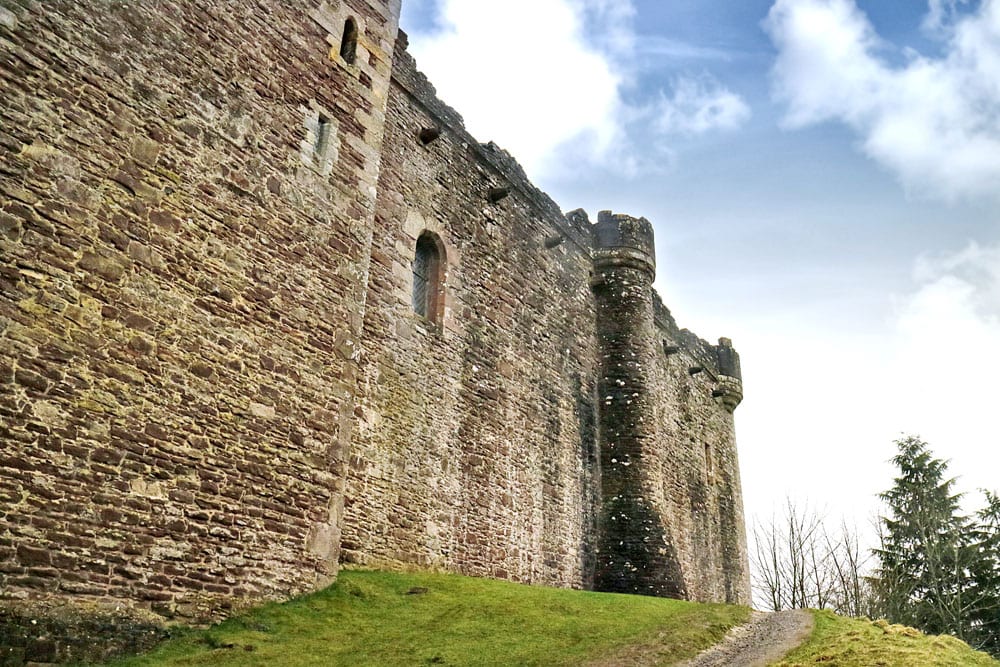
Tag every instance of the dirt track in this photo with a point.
(765, 639)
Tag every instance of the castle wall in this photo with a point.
(692, 473)
(186, 206)
(213, 383)
(475, 448)
(483, 445)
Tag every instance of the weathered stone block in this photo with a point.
(108, 269)
(30, 556)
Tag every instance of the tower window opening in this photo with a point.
(709, 463)
(322, 140)
(427, 279)
(349, 42)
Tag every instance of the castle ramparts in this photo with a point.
(267, 309)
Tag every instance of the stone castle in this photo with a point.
(267, 308)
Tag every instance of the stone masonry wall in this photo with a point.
(213, 384)
(475, 448)
(186, 207)
(478, 445)
(693, 471)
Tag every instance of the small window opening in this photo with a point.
(427, 278)
(709, 463)
(349, 43)
(322, 142)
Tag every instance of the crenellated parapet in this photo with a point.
(730, 378)
(621, 241)
(720, 363)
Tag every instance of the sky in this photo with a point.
(824, 180)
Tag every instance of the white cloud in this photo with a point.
(546, 80)
(521, 73)
(946, 360)
(935, 122)
(700, 105)
(825, 394)
(976, 267)
(660, 46)
(940, 13)
(614, 18)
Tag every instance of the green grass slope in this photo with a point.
(378, 618)
(849, 642)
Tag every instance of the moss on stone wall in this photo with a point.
(33, 633)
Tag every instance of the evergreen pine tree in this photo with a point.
(985, 616)
(924, 575)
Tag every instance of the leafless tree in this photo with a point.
(797, 562)
(854, 594)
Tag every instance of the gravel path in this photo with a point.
(765, 639)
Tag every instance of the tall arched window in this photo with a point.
(428, 268)
(349, 43)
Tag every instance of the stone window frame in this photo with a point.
(320, 148)
(346, 35)
(428, 267)
(349, 41)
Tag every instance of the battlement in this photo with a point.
(729, 359)
(622, 240)
(500, 168)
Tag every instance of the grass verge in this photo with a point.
(849, 642)
(379, 618)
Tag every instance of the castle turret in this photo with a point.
(634, 554)
(730, 380)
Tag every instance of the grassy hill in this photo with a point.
(384, 619)
(849, 642)
(378, 618)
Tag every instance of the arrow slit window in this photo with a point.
(428, 280)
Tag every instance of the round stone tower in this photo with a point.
(634, 553)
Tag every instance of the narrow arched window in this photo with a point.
(427, 277)
(349, 43)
